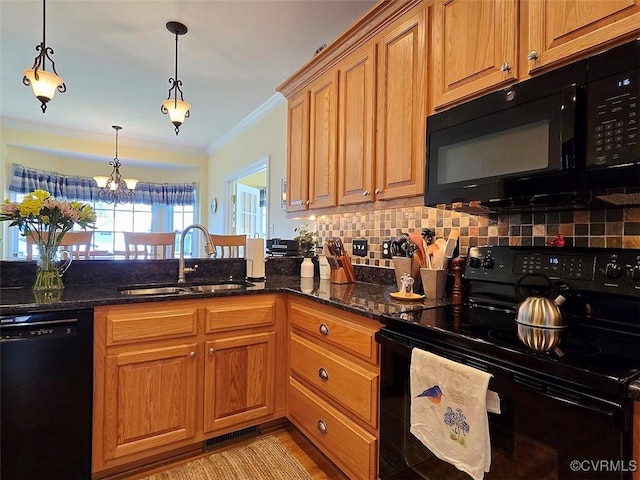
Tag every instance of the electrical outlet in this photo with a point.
(386, 249)
(360, 247)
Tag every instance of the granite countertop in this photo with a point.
(368, 299)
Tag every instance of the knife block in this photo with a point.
(338, 275)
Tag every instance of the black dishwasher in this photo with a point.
(46, 395)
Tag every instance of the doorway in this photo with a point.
(247, 189)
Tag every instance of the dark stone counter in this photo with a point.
(634, 390)
(92, 283)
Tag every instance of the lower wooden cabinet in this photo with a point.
(168, 375)
(352, 448)
(239, 380)
(334, 384)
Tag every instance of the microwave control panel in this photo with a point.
(613, 116)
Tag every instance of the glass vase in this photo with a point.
(49, 273)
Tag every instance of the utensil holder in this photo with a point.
(407, 265)
(433, 282)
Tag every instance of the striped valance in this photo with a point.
(69, 187)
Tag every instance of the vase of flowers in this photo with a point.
(307, 248)
(46, 220)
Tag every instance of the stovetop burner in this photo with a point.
(569, 346)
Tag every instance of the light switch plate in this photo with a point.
(360, 247)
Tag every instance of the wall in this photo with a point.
(617, 228)
(267, 138)
(83, 154)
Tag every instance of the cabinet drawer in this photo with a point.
(240, 312)
(140, 323)
(349, 446)
(350, 385)
(344, 330)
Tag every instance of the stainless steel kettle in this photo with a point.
(540, 319)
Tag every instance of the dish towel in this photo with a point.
(449, 411)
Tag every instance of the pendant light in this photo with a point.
(178, 110)
(115, 188)
(43, 83)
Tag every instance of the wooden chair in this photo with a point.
(228, 246)
(78, 243)
(154, 245)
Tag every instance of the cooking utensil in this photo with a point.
(419, 254)
(540, 319)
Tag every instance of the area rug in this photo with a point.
(264, 459)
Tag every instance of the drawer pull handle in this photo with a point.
(212, 351)
(192, 354)
(322, 426)
(324, 330)
(323, 374)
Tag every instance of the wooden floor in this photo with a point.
(314, 462)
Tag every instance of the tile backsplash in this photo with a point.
(615, 228)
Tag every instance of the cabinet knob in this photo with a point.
(532, 55)
(212, 351)
(377, 191)
(192, 354)
(322, 426)
(308, 202)
(323, 374)
(324, 330)
(505, 67)
(366, 193)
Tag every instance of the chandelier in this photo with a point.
(115, 188)
(43, 83)
(178, 110)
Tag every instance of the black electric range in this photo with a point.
(600, 346)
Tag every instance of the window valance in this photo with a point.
(69, 187)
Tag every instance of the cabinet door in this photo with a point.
(150, 399)
(356, 127)
(323, 129)
(401, 107)
(239, 380)
(298, 151)
(475, 45)
(558, 30)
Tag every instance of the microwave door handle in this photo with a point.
(572, 128)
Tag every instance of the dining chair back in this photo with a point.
(150, 245)
(77, 243)
(230, 246)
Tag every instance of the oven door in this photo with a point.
(544, 432)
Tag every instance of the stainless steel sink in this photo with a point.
(216, 287)
(155, 291)
(182, 290)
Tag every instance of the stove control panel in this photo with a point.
(615, 271)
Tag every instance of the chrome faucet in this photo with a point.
(209, 248)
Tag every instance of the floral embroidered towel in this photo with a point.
(449, 411)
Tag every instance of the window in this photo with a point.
(113, 220)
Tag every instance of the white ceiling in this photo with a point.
(116, 58)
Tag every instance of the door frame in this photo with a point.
(262, 164)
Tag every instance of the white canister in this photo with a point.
(325, 268)
(306, 269)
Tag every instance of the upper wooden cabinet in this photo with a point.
(323, 132)
(313, 132)
(474, 47)
(558, 30)
(356, 123)
(401, 109)
(298, 153)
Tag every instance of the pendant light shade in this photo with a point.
(43, 83)
(176, 107)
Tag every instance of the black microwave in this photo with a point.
(564, 138)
